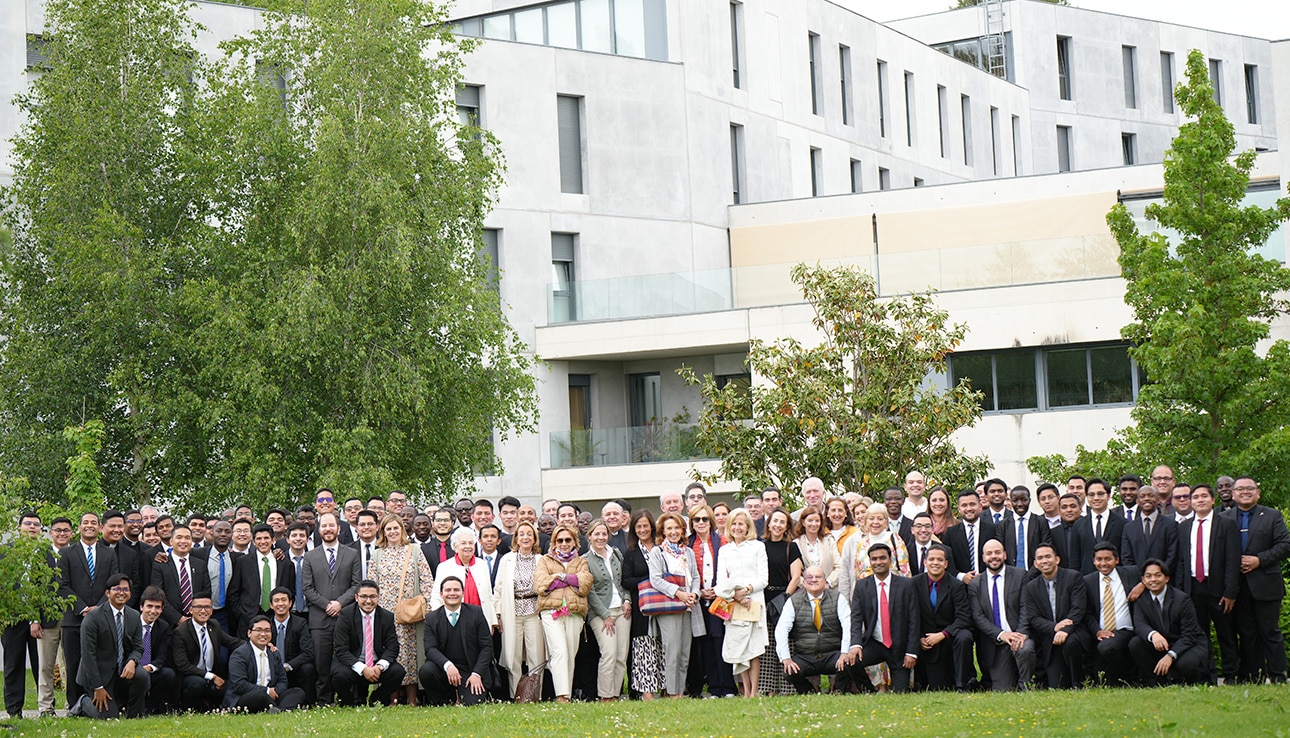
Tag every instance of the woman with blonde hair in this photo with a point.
(855, 554)
(562, 582)
(742, 578)
(402, 572)
(522, 639)
(610, 610)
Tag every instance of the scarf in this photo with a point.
(675, 549)
(470, 593)
(564, 558)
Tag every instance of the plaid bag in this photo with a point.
(654, 602)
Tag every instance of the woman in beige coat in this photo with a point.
(562, 582)
(522, 639)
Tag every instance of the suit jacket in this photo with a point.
(431, 552)
(128, 563)
(1130, 577)
(186, 649)
(242, 600)
(1112, 525)
(471, 640)
(1269, 541)
(1175, 620)
(299, 647)
(956, 539)
(321, 586)
(166, 576)
(1075, 549)
(162, 635)
(952, 612)
(1037, 616)
(345, 536)
(1222, 559)
(988, 514)
(1036, 533)
(981, 598)
(902, 606)
(348, 644)
(74, 579)
(98, 646)
(243, 672)
(1135, 549)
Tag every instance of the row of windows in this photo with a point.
(624, 27)
(1046, 378)
(1128, 148)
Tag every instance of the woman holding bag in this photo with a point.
(403, 574)
(522, 639)
(645, 671)
(673, 571)
(742, 575)
(562, 581)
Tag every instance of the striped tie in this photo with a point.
(185, 587)
(1108, 604)
(89, 560)
(331, 560)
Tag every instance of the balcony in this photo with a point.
(642, 296)
(645, 444)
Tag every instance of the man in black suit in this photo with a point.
(331, 582)
(1169, 646)
(884, 623)
(368, 527)
(111, 647)
(83, 569)
(1111, 591)
(1264, 545)
(127, 558)
(1052, 612)
(256, 680)
(324, 503)
(1007, 654)
(163, 684)
(459, 650)
(366, 651)
(183, 576)
(920, 543)
(945, 622)
(219, 568)
(195, 649)
(1151, 534)
(1128, 486)
(249, 590)
(1211, 546)
(967, 539)
(1073, 542)
(293, 642)
(1104, 522)
(1032, 528)
(439, 547)
(995, 503)
(20, 639)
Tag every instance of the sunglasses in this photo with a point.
(701, 520)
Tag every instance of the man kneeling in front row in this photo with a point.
(459, 650)
(366, 651)
(817, 621)
(256, 680)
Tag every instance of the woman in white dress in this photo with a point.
(742, 573)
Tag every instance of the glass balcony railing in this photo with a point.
(645, 444)
(643, 296)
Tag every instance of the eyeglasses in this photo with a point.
(262, 630)
(564, 540)
(1162, 479)
(366, 596)
(1245, 488)
(702, 520)
(120, 590)
(324, 499)
(1182, 497)
(200, 607)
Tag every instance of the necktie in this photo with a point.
(1200, 550)
(331, 560)
(300, 585)
(452, 618)
(922, 557)
(265, 583)
(89, 560)
(369, 659)
(282, 638)
(1069, 552)
(1022, 562)
(204, 665)
(1146, 527)
(264, 668)
(1245, 530)
(367, 559)
(884, 614)
(971, 531)
(222, 554)
(933, 594)
(1108, 604)
(119, 653)
(185, 586)
(1099, 527)
(997, 518)
(994, 603)
(1052, 598)
(147, 654)
(443, 550)
(816, 619)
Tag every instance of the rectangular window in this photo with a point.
(489, 254)
(737, 161)
(569, 113)
(562, 25)
(844, 77)
(882, 99)
(1129, 143)
(884, 178)
(1089, 376)
(995, 141)
(1070, 377)
(645, 398)
(1064, 86)
(1216, 79)
(813, 50)
(629, 28)
(909, 109)
(736, 32)
(498, 27)
(1130, 77)
(529, 26)
(564, 306)
(943, 119)
(965, 108)
(468, 105)
(1005, 378)
(1167, 80)
(595, 26)
(817, 172)
(1016, 145)
(857, 179)
(1063, 148)
(37, 59)
(1251, 94)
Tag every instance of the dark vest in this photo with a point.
(806, 639)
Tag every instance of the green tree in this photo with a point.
(1202, 303)
(853, 410)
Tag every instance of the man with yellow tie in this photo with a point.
(817, 621)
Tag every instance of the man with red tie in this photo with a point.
(884, 624)
(1211, 576)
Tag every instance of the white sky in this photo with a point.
(1268, 19)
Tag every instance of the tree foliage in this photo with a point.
(1217, 396)
(855, 410)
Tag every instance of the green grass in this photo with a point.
(1223, 711)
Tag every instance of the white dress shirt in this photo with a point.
(1206, 524)
(785, 625)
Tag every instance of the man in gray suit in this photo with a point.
(331, 573)
(1006, 652)
(111, 648)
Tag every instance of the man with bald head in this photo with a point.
(1007, 655)
(915, 502)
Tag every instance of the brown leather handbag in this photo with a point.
(529, 688)
(412, 610)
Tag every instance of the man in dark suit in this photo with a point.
(1151, 534)
(195, 649)
(366, 651)
(249, 590)
(1169, 646)
(83, 569)
(439, 547)
(368, 527)
(331, 582)
(995, 503)
(1052, 611)
(219, 568)
(1104, 522)
(21, 638)
(183, 576)
(1032, 528)
(459, 650)
(1074, 542)
(324, 503)
(884, 622)
(945, 621)
(1264, 545)
(163, 684)
(111, 649)
(967, 539)
(1006, 653)
(256, 680)
(127, 558)
(1211, 546)
(294, 644)
(920, 543)
(1111, 591)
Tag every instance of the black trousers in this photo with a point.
(163, 691)
(258, 700)
(816, 665)
(352, 689)
(440, 692)
(1209, 611)
(16, 641)
(1263, 648)
(948, 664)
(1187, 669)
(874, 653)
(706, 664)
(1064, 665)
(1113, 660)
(128, 692)
(199, 695)
(72, 655)
(306, 678)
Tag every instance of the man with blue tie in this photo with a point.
(297, 541)
(1053, 605)
(1264, 545)
(331, 576)
(995, 596)
(196, 652)
(1024, 532)
(83, 568)
(1169, 646)
(294, 643)
(219, 567)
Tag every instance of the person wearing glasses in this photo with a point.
(112, 645)
(706, 664)
(674, 572)
(195, 647)
(562, 582)
(325, 502)
(1265, 544)
(366, 651)
(257, 681)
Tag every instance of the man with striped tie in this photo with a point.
(83, 568)
(197, 644)
(183, 577)
(112, 648)
(163, 687)
(331, 576)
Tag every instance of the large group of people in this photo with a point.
(375, 601)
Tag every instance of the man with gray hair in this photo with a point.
(615, 518)
(812, 497)
(671, 502)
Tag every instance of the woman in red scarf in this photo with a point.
(473, 573)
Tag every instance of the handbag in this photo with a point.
(529, 687)
(412, 610)
(654, 602)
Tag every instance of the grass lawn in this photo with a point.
(1231, 712)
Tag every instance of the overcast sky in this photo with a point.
(1268, 19)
